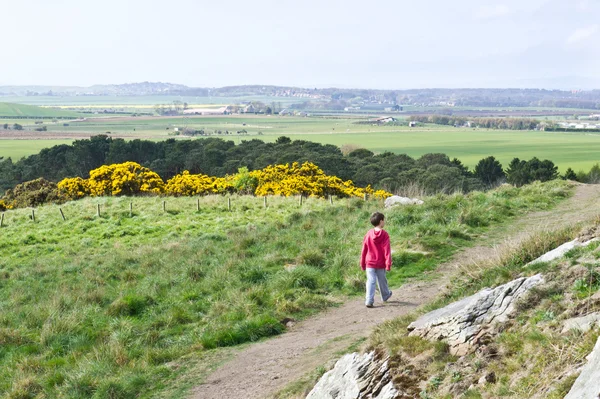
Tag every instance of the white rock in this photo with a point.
(583, 323)
(461, 324)
(396, 200)
(561, 251)
(356, 376)
(587, 385)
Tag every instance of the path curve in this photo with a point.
(263, 369)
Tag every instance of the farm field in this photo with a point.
(574, 150)
(25, 110)
(106, 306)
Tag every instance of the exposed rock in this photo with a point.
(587, 385)
(487, 378)
(357, 376)
(583, 323)
(396, 200)
(562, 250)
(465, 324)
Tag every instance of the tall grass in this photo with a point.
(104, 306)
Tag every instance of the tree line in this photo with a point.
(431, 173)
(488, 123)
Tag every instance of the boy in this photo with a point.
(376, 259)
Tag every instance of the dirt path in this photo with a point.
(262, 369)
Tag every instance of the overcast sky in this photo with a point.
(389, 44)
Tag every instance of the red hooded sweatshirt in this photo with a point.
(376, 252)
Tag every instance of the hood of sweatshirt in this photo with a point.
(376, 235)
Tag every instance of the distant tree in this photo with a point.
(268, 111)
(283, 140)
(489, 171)
(428, 160)
(361, 153)
(5, 126)
(570, 175)
(542, 170)
(464, 170)
(517, 173)
(16, 126)
(593, 177)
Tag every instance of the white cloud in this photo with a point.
(582, 34)
(583, 5)
(490, 12)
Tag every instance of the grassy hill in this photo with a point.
(102, 306)
(10, 110)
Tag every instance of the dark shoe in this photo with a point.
(370, 306)
(386, 299)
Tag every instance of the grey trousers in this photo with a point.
(372, 276)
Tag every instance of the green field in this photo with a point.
(575, 150)
(32, 111)
(105, 306)
(20, 148)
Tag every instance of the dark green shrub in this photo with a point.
(32, 193)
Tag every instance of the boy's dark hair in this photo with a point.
(376, 218)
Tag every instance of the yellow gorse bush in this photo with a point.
(307, 179)
(4, 206)
(127, 178)
(130, 178)
(74, 187)
(186, 184)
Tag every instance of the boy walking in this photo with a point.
(376, 259)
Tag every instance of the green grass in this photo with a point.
(104, 306)
(32, 111)
(574, 150)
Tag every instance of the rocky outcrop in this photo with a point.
(587, 385)
(583, 323)
(464, 324)
(560, 251)
(396, 200)
(357, 376)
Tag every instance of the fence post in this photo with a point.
(2, 220)
(62, 214)
(98, 210)
(300, 199)
(131, 209)
(365, 196)
(33, 215)
(198, 204)
(331, 199)
(164, 206)
(229, 203)
(265, 201)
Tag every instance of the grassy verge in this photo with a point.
(105, 306)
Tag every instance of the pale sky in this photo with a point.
(389, 44)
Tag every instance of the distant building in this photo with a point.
(206, 111)
(412, 124)
(386, 119)
(249, 109)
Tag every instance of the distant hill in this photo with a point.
(127, 89)
(10, 110)
(338, 98)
